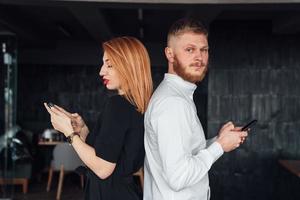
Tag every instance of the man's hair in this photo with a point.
(131, 60)
(186, 25)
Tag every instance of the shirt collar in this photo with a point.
(187, 87)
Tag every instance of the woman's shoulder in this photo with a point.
(120, 109)
(117, 100)
(119, 103)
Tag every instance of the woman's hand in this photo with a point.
(77, 122)
(61, 121)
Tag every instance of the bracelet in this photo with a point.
(70, 137)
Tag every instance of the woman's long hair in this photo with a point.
(131, 60)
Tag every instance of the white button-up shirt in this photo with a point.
(178, 156)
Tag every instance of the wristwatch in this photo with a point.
(70, 137)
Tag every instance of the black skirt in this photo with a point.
(112, 188)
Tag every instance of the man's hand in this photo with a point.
(230, 137)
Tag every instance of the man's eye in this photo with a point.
(205, 50)
(190, 50)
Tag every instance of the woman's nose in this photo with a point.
(102, 71)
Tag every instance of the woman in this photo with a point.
(115, 150)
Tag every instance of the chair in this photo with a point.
(20, 175)
(19, 161)
(140, 174)
(65, 159)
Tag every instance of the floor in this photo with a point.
(37, 190)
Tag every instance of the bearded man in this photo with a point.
(178, 156)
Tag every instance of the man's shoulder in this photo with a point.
(166, 90)
(166, 95)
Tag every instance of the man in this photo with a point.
(178, 157)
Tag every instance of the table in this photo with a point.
(292, 166)
(45, 152)
(289, 184)
(49, 143)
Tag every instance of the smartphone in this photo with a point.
(50, 105)
(250, 124)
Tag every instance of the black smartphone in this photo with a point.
(50, 105)
(250, 124)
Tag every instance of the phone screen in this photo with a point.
(50, 105)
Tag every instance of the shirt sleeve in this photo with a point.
(109, 142)
(173, 125)
(211, 141)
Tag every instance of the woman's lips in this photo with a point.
(105, 81)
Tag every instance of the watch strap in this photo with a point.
(70, 137)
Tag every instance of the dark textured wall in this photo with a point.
(76, 88)
(254, 75)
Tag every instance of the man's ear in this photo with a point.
(169, 54)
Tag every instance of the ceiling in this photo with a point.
(46, 23)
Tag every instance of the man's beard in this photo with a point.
(182, 71)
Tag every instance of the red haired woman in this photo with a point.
(114, 151)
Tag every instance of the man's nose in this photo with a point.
(199, 55)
